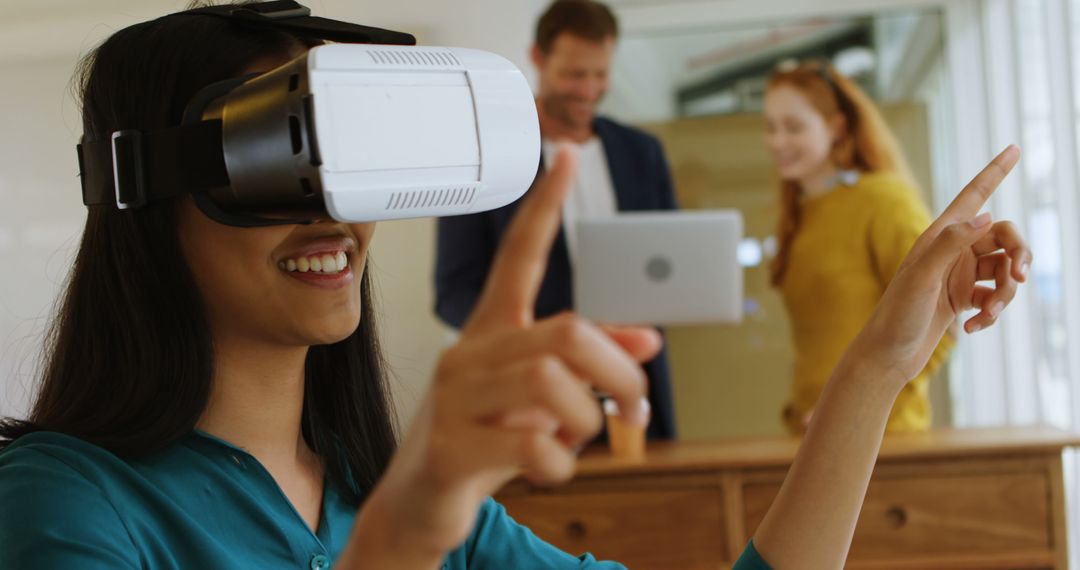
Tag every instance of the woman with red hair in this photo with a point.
(850, 212)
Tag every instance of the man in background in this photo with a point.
(619, 169)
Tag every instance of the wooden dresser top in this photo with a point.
(778, 451)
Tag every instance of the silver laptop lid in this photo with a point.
(660, 268)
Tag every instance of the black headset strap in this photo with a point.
(290, 16)
(181, 158)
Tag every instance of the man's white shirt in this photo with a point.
(593, 195)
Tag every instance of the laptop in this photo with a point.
(660, 268)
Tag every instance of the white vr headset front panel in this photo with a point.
(406, 131)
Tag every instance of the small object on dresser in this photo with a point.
(625, 441)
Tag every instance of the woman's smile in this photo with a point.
(321, 263)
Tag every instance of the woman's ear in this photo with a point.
(839, 125)
(843, 142)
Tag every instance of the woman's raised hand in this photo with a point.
(812, 520)
(939, 279)
(513, 395)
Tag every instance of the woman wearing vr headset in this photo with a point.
(215, 395)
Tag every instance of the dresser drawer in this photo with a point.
(928, 516)
(644, 528)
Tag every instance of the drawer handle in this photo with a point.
(576, 530)
(897, 517)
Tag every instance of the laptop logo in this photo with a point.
(658, 268)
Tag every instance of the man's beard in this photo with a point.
(557, 107)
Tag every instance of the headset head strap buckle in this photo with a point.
(129, 178)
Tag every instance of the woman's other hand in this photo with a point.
(512, 396)
(939, 279)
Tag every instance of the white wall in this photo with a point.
(41, 214)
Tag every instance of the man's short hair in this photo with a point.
(583, 18)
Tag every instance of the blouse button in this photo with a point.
(320, 562)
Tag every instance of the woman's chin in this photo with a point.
(330, 331)
(790, 173)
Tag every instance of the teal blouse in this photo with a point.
(204, 503)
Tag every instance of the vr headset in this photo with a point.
(372, 128)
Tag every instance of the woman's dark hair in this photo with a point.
(129, 359)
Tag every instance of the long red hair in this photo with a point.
(867, 144)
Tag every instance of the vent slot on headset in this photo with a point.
(415, 58)
(437, 198)
(294, 134)
(305, 186)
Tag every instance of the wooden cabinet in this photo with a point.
(973, 499)
(680, 524)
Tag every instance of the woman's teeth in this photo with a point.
(325, 263)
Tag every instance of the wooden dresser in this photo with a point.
(972, 499)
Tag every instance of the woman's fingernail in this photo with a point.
(1024, 267)
(567, 147)
(974, 328)
(981, 220)
(996, 309)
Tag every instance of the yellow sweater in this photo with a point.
(849, 246)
